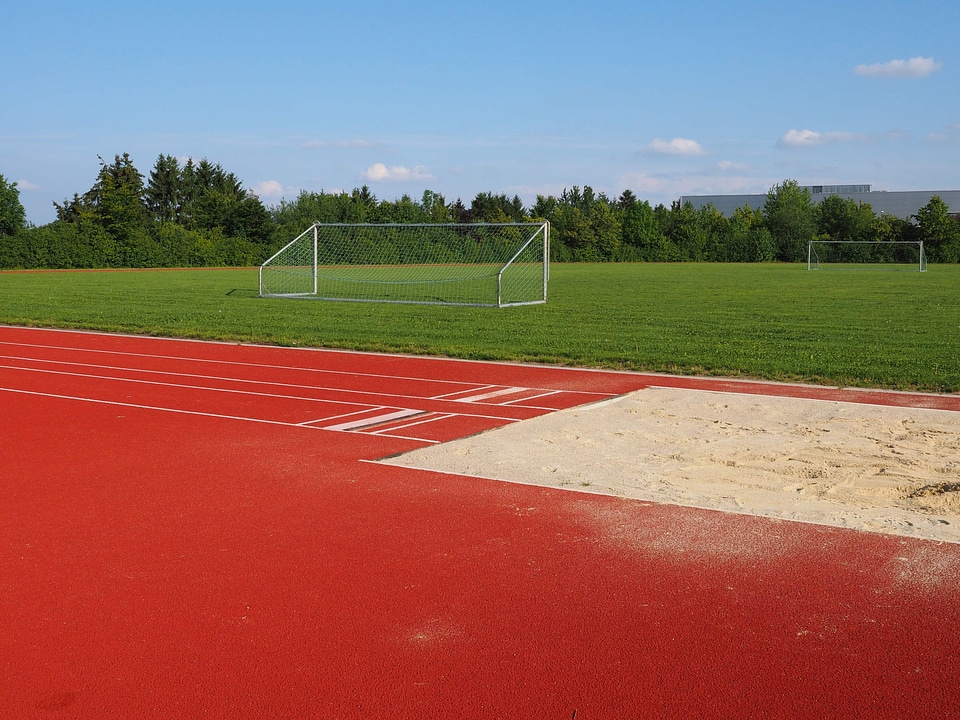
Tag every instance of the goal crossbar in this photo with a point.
(483, 264)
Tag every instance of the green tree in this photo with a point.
(791, 218)
(362, 207)
(544, 207)
(888, 228)
(404, 210)
(164, 189)
(642, 231)
(747, 237)
(845, 219)
(13, 218)
(114, 205)
(939, 231)
(119, 198)
(607, 229)
(626, 200)
(487, 207)
(715, 226)
(435, 207)
(685, 229)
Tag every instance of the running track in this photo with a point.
(198, 530)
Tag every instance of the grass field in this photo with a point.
(856, 328)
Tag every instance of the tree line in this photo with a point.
(197, 214)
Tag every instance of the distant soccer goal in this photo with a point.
(866, 254)
(485, 264)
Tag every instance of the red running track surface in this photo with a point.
(194, 530)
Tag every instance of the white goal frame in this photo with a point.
(813, 258)
(478, 264)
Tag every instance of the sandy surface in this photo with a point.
(865, 467)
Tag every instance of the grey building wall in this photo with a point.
(902, 204)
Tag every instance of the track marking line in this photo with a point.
(117, 403)
(375, 420)
(364, 411)
(236, 363)
(199, 376)
(403, 426)
(492, 394)
(468, 386)
(452, 395)
(267, 383)
(547, 393)
(277, 396)
(183, 386)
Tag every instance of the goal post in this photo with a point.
(483, 264)
(875, 254)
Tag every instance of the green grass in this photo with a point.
(780, 322)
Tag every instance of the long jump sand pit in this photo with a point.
(864, 467)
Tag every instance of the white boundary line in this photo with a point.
(179, 411)
(276, 396)
(317, 423)
(248, 381)
(468, 386)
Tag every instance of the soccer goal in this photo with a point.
(866, 254)
(485, 264)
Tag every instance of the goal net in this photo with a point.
(487, 264)
(866, 254)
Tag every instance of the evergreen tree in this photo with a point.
(164, 188)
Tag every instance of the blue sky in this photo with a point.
(521, 97)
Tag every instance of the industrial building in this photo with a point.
(902, 204)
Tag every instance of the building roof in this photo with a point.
(902, 204)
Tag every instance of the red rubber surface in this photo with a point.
(182, 535)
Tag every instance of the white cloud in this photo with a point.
(645, 184)
(952, 134)
(809, 138)
(677, 146)
(912, 68)
(801, 138)
(268, 188)
(378, 172)
(26, 185)
(729, 165)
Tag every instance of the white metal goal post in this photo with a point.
(483, 264)
(877, 254)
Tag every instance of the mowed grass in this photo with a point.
(773, 321)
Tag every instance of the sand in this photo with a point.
(864, 467)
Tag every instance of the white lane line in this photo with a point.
(170, 373)
(364, 406)
(137, 406)
(468, 385)
(183, 386)
(219, 416)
